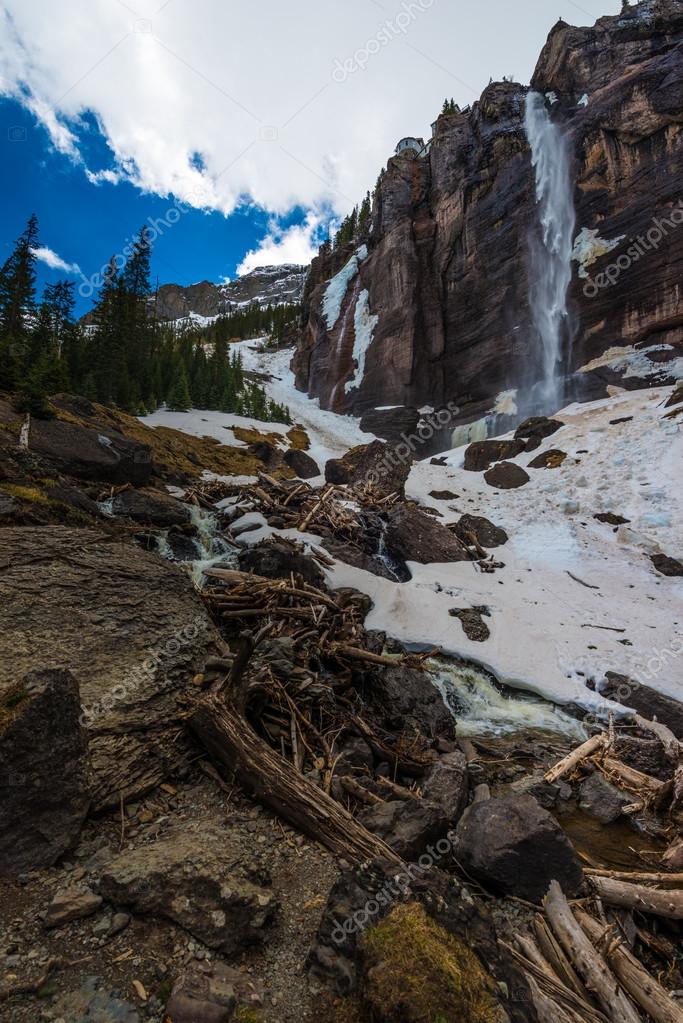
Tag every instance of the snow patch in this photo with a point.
(589, 246)
(583, 102)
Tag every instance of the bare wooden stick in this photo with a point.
(668, 904)
(556, 991)
(642, 987)
(643, 785)
(591, 967)
(359, 792)
(576, 757)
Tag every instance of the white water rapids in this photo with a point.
(550, 269)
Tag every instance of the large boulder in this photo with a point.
(506, 476)
(483, 453)
(484, 531)
(666, 565)
(305, 467)
(405, 699)
(193, 878)
(45, 782)
(131, 629)
(151, 507)
(88, 454)
(536, 429)
(514, 847)
(412, 535)
(407, 826)
(391, 424)
(384, 467)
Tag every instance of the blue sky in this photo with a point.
(268, 120)
(85, 223)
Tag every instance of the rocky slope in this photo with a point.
(267, 285)
(438, 309)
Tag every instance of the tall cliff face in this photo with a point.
(434, 307)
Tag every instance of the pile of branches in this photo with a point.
(301, 693)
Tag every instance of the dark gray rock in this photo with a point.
(302, 464)
(506, 476)
(405, 699)
(483, 453)
(151, 507)
(550, 459)
(384, 467)
(407, 826)
(599, 799)
(536, 429)
(45, 781)
(88, 454)
(204, 995)
(447, 784)
(413, 536)
(391, 424)
(513, 846)
(667, 566)
(484, 531)
(190, 877)
(472, 621)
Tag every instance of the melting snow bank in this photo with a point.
(576, 597)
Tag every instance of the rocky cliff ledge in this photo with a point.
(434, 307)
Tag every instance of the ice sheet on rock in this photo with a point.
(364, 323)
(333, 299)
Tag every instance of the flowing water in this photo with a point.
(482, 706)
(550, 268)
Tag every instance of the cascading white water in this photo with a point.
(551, 268)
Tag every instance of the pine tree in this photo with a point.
(365, 215)
(179, 399)
(17, 305)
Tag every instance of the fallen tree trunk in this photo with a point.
(229, 740)
(643, 988)
(591, 967)
(668, 904)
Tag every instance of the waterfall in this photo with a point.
(550, 268)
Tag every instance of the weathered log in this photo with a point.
(634, 876)
(643, 785)
(229, 740)
(643, 988)
(576, 757)
(668, 904)
(556, 957)
(591, 967)
(556, 992)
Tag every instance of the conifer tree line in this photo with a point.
(124, 358)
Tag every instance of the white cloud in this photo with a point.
(296, 244)
(216, 103)
(55, 262)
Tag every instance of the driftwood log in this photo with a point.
(591, 967)
(668, 904)
(576, 757)
(643, 988)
